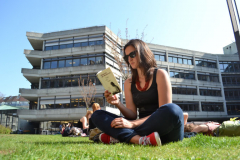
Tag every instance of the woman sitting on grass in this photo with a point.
(149, 90)
(84, 122)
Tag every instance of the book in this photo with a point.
(109, 81)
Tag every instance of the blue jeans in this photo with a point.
(167, 120)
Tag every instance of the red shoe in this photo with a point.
(107, 139)
(152, 139)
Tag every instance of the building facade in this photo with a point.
(205, 85)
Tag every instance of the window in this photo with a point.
(76, 62)
(184, 90)
(212, 106)
(232, 93)
(230, 79)
(61, 64)
(54, 64)
(206, 63)
(229, 66)
(159, 56)
(187, 106)
(208, 77)
(180, 59)
(233, 108)
(46, 65)
(182, 74)
(210, 92)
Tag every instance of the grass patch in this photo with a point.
(57, 147)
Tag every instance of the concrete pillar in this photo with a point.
(193, 62)
(166, 56)
(198, 91)
(41, 67)
(43, 48)
(222, 88)
(200, 106)
(38, 105)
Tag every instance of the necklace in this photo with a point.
(139, 87)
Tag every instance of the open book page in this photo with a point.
(109, 81)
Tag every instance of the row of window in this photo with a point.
(180, 60)
(229, 66)
(194, 106)
(184, 75)
(68, 81)
(232, 94)
(233, 108)
(180, 90)
(208, 77)
(212, 106)
(229, 79)
(210, 92)
(68, 103)
(208, 64)
(191, 75)
(73, 61)
(71, 45)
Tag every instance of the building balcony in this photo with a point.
(33, 94)
(184, 97)
(58, 114)
(34, 56)
(33, 75)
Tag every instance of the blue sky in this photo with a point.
(200, 25)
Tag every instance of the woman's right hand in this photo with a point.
(111, 99)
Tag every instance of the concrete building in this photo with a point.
(202, 83)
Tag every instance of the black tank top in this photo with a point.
(146, 101)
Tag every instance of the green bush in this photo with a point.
(5, 130)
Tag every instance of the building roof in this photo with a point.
(6, 107)
(13, 99)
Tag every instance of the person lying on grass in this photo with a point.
(227, 128)
(149, 90)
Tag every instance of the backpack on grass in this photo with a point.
(229, 128)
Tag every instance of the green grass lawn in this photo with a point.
(57, 147)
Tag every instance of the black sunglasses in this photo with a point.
(132, 55)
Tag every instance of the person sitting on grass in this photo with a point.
(84, 122)
(63, 128)
(149, 90)
(95, 107)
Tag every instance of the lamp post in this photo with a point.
(234, 19)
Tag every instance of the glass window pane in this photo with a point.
(84, 44)
(198, 63)
(77, 44)
(189, 62)
(70, 45)
(172, 74)
(99, 60)
(91, 43)
(69, 63)
(174, 60)
(84, 61)
(74, 81)
(45, 84)
(156, 57)
(55, 47)
(54, 64)
(67, 82)
(180, 60)
(185, 61)
(52, 83)
(60, 83)
(100, 42)
(48, 48)
(204, 64)
(46, 65)
(61, 64)
(170, 59)
(63, 46)
(76, 62)
(91, 61)
(181, 75)
(162, 58)
(177, 75)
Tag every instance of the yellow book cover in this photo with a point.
(109, 81)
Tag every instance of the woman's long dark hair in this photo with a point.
(145, 57)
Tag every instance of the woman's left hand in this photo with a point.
(121, 123)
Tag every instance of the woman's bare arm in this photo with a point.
(164, 87)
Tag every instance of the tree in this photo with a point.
(87, 90)
(1, 95)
